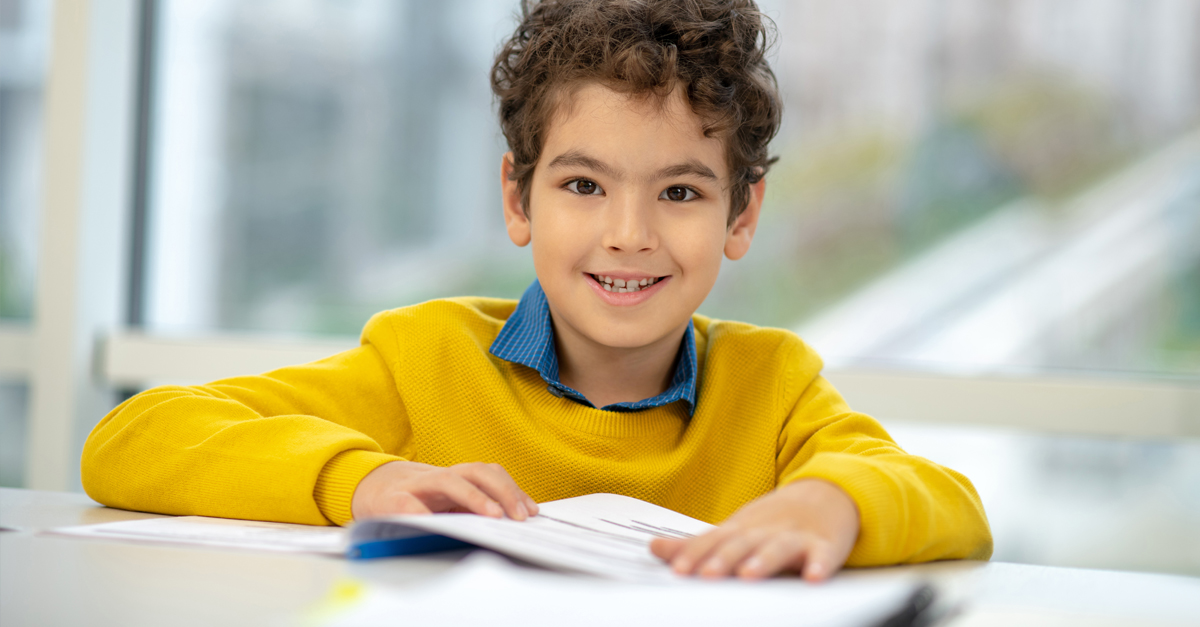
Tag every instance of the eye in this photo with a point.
(584, 187)
(678, 193)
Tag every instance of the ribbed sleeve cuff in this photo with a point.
(334, 491)
(874, 492)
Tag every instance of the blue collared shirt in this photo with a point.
(527, 338)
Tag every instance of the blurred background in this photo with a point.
(967, 192)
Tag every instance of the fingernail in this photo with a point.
(681, 567)
(712, 567)
(815, 571)
(753, 567)
(522, 511)
(494, 510)
(533, 507)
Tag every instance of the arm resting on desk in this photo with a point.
(911, 509)
(287, 446)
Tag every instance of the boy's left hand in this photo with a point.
(808, 526)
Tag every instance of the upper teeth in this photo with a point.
(621, 285)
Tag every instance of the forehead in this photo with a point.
(633, 130)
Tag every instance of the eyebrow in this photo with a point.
(575, 158)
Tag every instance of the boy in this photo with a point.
(638, 134)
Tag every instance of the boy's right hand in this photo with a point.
(414, 488)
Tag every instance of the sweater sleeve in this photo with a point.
(911, 509)
(288, 446)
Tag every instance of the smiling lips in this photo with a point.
(625, 292)
(621, 285)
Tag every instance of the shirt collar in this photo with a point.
(527, 338)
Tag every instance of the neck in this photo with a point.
(607, 375)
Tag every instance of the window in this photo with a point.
(24, 34)
(318, 162)
(944, 174)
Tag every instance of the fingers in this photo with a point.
(728, 555)
(749, 554)
(820, 563)
(444, 491)
(687, 560)
(773, 557)
(478, 488)
(494, 481)
(666, 548)
(404, 487)
(719, 553)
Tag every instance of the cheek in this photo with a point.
(558, 242)
(706, 263)
(706, 247)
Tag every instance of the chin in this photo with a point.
(635, 343)
(628, 334)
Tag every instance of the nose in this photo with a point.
(629, 225)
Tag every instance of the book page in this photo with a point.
(220, 532)
(601, 534)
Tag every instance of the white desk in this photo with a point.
(55, 580)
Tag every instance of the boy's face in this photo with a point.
(627, 190)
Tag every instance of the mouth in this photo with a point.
(624, 286)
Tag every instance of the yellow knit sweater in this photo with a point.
(291, 445)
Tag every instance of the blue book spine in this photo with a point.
(413, 545)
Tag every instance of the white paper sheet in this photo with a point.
(220, 532)
(601, 534)
(486, 589)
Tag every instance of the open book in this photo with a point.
(601, 534)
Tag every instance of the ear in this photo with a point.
(515, 219)
(737, 240)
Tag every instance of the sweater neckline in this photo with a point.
(593, 420)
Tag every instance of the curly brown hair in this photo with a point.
(714, 49)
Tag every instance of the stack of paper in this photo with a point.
(221, 533)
